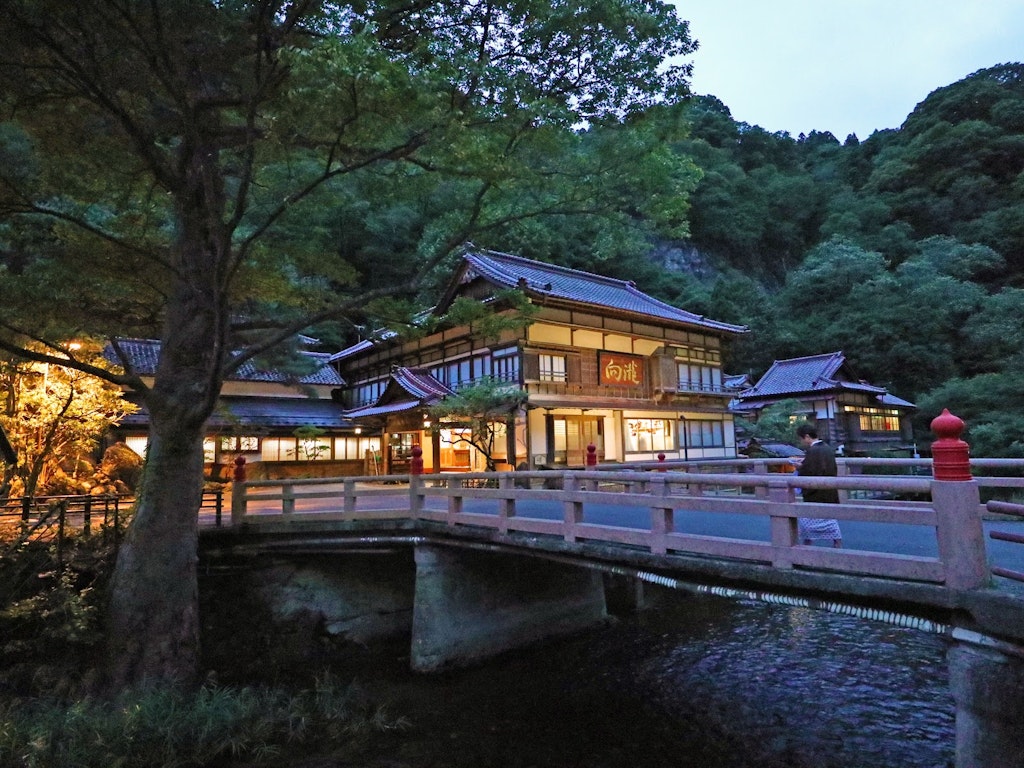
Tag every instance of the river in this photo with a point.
(693, 681)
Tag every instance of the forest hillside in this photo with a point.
(905, 250)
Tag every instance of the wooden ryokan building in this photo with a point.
(602, 363)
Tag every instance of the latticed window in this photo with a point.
(876, 419)
(703, 434)
(505, 364)
(552, 367)
(699, 378)
(649, 435)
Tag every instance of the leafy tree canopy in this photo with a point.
(222, 175)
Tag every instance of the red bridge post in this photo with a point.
(591, 460)
(950, 455)
(957, 504)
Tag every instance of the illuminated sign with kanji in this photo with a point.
(621, 370)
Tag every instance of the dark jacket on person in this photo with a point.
(820, 460)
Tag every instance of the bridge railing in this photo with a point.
(658, 512)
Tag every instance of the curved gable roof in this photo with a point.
(407, 388)
(144, 355)
(816, 373)
(540, 280)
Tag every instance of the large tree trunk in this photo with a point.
(154, 601)
(153, 620)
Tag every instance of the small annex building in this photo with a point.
(601, 361)
(283, 425)
(866, 420)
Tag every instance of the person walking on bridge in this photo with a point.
(819, 461)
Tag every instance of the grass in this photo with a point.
(216, 726)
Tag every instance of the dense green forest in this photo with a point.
(904, 250)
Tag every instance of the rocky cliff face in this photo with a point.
(683, 256)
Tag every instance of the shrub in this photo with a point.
(160, 728)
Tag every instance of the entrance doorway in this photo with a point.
(400, 451)
(569, 436)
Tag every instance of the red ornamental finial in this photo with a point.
(239, 469)
(947, 426)
(416, 463)
(591, 455)
(950, 455)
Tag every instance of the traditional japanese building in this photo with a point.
(602, 363)
(866, 420)
(283, 425)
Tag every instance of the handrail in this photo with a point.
(1016, 510)
(505, 502)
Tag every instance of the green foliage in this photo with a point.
(775, 423)
(51, 612)
(483, 411)
(310, 447)
(991, 404)
(219, 175)
(54, 416)
(904, 250)
(165, 728)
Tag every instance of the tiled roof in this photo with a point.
(144, 354)
(266, 413)
(419, 383)
(382, 410)
(407, 388)
(547, 280)
(817, 373)
(736, 380)
(359, 346)
(800, 374)
(895, 402)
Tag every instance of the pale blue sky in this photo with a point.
(845, 66)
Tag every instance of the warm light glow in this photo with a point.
(359, 430)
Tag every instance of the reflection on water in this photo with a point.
(694, 681)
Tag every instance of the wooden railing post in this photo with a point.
(760, 468)
(783, 527)
(572, 511)
(662, 517)
(507, 505)
(287, 498)
(349, 503)
(455, 499)
(956, 500)
(218, 507)
(842, 470)
(416, 494)
(238, 503)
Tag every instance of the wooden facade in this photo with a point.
(602, 363)
(282, 428)
(860, 418)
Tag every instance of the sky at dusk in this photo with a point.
(840, 66)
